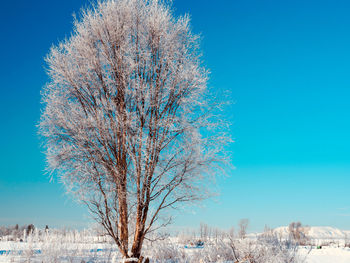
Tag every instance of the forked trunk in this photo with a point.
(137, 245)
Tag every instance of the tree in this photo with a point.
(127, 123)
(30, 229)
(298, 232)
(203, 231)
(242, 227)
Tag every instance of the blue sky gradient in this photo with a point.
(286, 65)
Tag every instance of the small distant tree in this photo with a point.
(346, 240)
(231, 233)
(216, 234)
(30, 229)
(203, 229)
(127, 120)
(298, 232)
(242, 228)
(16, 231)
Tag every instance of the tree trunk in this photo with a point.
(137, 245)
(123, 225)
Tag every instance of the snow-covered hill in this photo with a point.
(317, 232)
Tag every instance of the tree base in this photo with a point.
(135, 260)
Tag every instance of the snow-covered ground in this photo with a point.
(326, 255)
(77, 248)
(92, 253)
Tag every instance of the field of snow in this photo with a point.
(101, 253)
(76, 248)
(326, 255)
(57, 252)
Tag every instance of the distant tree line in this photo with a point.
(17, 231)
(209, 233)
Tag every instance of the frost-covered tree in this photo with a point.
(242, 227)
(298, 232)
(126, 121)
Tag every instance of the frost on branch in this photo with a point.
(127, 121)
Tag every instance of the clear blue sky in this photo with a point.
(287, 65)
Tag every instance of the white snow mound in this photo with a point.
(317, 232)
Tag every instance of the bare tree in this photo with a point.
(203, 229)
(242, 227)
(298, 232)
(346, 240)
(30, 229)
(127, 121)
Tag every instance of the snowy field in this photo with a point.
(105, 253)
(87, 247)
(326, 255)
